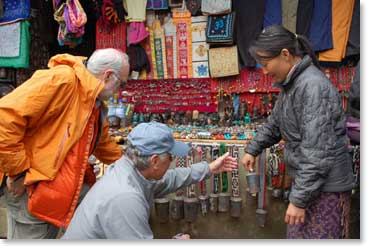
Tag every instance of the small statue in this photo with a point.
(147, 117)
(141, 118)
(247, 118)
(135, 118)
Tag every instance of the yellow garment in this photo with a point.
(135, 10)
(342, 12)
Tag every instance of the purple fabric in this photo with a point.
(353, 129)
(157, 4)
(324, 218)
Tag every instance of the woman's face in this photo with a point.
(278, 67)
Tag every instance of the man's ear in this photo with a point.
(107, 74)
(285, 53)
(154, 162)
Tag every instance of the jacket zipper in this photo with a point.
(66, 135)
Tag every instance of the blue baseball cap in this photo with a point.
(156, 138)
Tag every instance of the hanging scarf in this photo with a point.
(152, 52)
(182, 21)
(114, 37)
(75, 18)
(147, 75)
(159, 50)
(171, 49)
(235, 175)
(71, 18)
(224, 175)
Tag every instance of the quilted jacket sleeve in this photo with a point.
(316, 127)
(107, 150)
(267, 135)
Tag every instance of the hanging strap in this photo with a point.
(224, 175)
(235, 180)
(215, 155)
(262, 173)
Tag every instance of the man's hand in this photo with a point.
(16, 186)
(224, 163)
(294, 215)
(181, 236)
(248, 161)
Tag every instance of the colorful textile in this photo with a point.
(273, 13)
(326, 218)
(1, 8)
(175, 3)
(150, 17)
(110, 15)
(157, 4)
(171, 48)
(111, 38)
(193, 6)
(15, 10)
(342, 13)
(320, 33)
(248, 24)
(220, 28)
(152, 53)
(200, 65)
(171, 94)
(21, 61)
(10, 40)
(138, 59)
(71, 18)
(198, 28)
(304, 16)
(135, 9)
(147, 48)
(200, 69)
(289, 14)
(159, 50)
(137, 32)
(223, 61)
(200, 51)
(182, 20)
(215, 7)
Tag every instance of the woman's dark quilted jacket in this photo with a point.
(309, 116)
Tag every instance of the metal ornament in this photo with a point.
(162, 209)
(191, 207)
(177, 208)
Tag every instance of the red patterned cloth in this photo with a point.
(184, 43)
(110, 38)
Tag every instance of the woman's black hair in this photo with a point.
(274, 38)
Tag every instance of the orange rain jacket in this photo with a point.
(41, 120)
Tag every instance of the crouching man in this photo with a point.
(118, 206)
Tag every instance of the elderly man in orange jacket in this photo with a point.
(49, 126)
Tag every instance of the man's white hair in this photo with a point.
(103, 59)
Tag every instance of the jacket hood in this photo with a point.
(91, 86)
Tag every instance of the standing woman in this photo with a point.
(309, 116)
